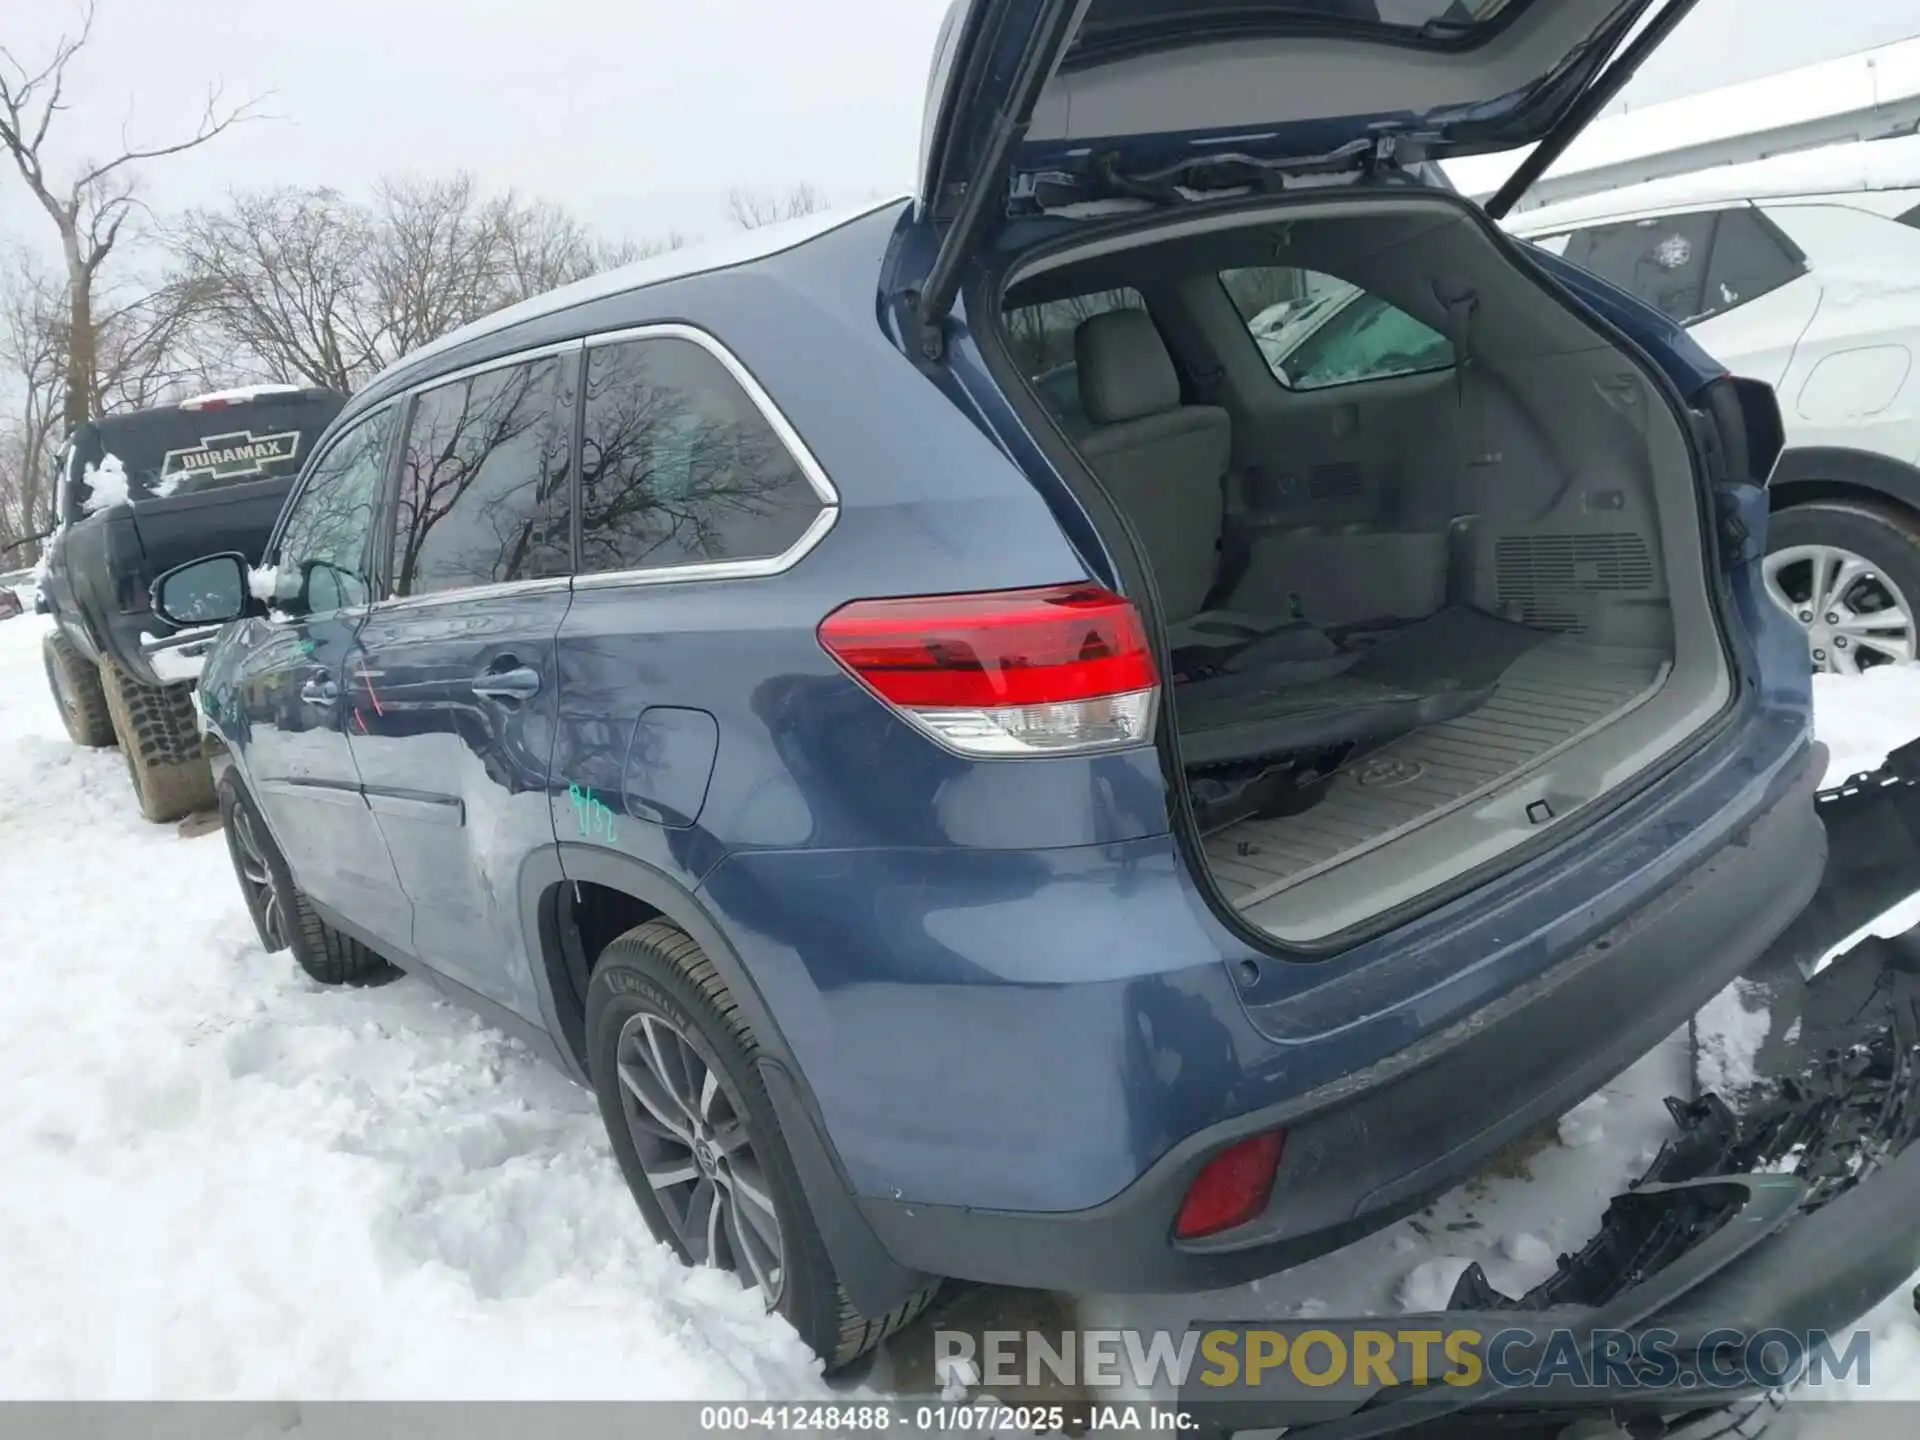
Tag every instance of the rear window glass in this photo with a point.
(679, 466)
(1748, 262)
(1317, 331)
(154, 454)
(1041, 339)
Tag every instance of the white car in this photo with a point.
(1803, 271)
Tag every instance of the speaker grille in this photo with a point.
(1545, 579)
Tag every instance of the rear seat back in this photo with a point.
(1313, 556)
(1323, 545)
(1162, 461)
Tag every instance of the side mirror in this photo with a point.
(208, 591)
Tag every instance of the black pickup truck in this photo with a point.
(138, 494)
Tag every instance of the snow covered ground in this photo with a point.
(223, 1180)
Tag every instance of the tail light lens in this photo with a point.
(1063, 669)
(1232, 1187)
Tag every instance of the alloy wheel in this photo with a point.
(256, 874)
(691, 1135)
(1855, 618)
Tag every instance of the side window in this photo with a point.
(1748, 261)
(321, 561)
(1317, 330)
(1662, 261)
(678, 466)
(483, 480)
(1041, 338)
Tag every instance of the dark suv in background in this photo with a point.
(1133, 843)
(138, 493)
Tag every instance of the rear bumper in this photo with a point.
(1376, 1144)
(1729, 1279)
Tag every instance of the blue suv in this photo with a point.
(1118, 723)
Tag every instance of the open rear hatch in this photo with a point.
(1341, 674)
(1040, 104)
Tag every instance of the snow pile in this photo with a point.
(1582, 1126)
(1728, 1034)
(225, 1181)
(1528, 1250)
(1862, 718)
(1429, 1286)
(261, 581)
(106, 483)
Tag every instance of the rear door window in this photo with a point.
(1041, 339)
(678, 465)
(483, 480)
(1316, 331)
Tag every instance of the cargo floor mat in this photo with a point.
(1555, 692)
(1422, 673)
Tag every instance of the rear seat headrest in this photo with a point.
(1124, 370)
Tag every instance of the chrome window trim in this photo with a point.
(718, 569)
(499, 362)
(544, 585)
(782, 428)
(755, 569)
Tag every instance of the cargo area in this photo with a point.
(1426, 546)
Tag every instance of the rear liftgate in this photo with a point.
(1781, 1208)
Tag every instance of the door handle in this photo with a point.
(515, 682)
(321, 692)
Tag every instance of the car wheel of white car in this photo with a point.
(1849, 575)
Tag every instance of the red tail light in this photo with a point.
(1008, 672)
(1232, 1187)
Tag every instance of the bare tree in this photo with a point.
(543, 247)
(143, 356)
(282, 276)
(751, 208)
(90, 211)
(33, 363)
(313, 284)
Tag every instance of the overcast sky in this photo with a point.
(639, 114)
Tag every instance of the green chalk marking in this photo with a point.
(593, 816)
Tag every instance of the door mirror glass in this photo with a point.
(209, 591)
